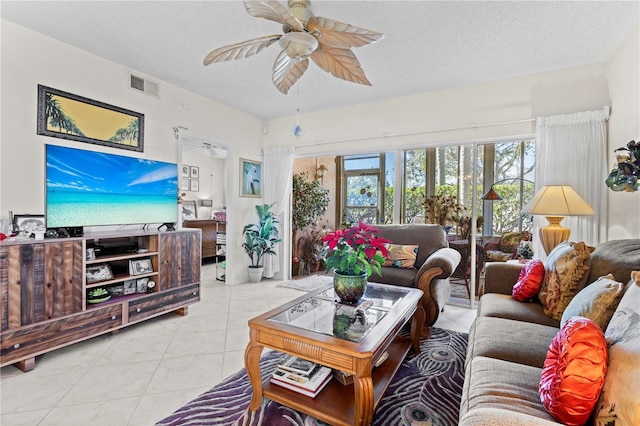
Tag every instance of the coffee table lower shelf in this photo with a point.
(335, 403)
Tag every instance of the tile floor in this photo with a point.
(143, 373)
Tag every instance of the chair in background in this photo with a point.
(505, 247)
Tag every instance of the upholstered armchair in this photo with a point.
(419, 257)
(505, 247)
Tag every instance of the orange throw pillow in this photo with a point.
(573, 372)
(529, 282)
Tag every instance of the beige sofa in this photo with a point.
(435, 262)
(508, 342)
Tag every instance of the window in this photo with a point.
(368, 189)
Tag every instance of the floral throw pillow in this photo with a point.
(401, 256)
(619, 402)
(566, 271)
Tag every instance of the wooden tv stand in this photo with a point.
(44, 288)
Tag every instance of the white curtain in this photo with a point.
(571, 149)
(278, 175)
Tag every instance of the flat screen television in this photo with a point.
(88, 188)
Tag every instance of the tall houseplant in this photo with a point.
(260, 239)
(309, 202)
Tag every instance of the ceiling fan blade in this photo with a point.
(287, 71)
(273, 11)
(338, 34)
(244, 49)
(341, 63)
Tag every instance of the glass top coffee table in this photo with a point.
(316, 328)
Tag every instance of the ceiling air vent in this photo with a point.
(142, 85)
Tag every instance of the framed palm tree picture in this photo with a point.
(68, 116)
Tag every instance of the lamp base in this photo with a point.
(553, 234)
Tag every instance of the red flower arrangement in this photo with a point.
(355, 251)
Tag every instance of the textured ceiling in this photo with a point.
(428, 45)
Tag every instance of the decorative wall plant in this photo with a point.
(625, 174)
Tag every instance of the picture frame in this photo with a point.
(130, 286)
(28, 222)
(73, 117)
(141, 285)
(250, 178)
(185, 171)
(98, 273)
(140, 266)
(184, 184)
(189, 210)
(194, 185)
(194, 172)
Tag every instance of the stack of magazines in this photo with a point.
(301, 376)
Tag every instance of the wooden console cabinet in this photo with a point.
(212, 231)
(44, 288)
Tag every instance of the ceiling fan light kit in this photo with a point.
(327, 42)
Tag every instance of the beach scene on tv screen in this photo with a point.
(88, 188)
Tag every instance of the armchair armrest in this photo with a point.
(500, 277)
(446, 259)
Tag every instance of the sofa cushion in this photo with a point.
(619, 403)
(529, 282)
(505, 306)
(401, 256)
(497, 384)
(617, 257)
(509, 340)
(597, 301)
(574, 371)
(566, 273)
(501, 417)
(396, 276)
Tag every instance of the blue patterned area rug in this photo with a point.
(426, 390)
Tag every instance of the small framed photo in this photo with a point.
(130, 286)
(185, 171)
(28, 222)
(194, 185)
(250, 178)
(184, 184)
(116, 290)
(194, 172)
(98, 273)
(140, 266)
(189, 210)
(91, 254)
(141, 285)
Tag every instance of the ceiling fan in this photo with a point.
(326, 41)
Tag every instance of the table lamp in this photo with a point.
(555, 202)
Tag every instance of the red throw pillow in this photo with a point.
(529, 282)
(574, 370)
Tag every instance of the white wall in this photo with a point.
(29, 59)
(623, 213)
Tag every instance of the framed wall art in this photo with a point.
(194, 185)
(68, 116)
(194, 172)
(185, 171)
(250, 178)
(189, 211)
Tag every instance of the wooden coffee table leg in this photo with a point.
(252, 364)
(417, 322)
(363, 386)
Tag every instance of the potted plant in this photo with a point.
(260, 239)
(309, 202)
(353, 253)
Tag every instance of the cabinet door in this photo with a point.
(39, 282)
(179, 259)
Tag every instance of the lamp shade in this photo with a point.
(557, 200)
(491, 195)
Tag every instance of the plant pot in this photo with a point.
(255, 274)
(349, 288)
